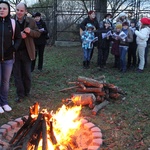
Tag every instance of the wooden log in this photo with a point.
(80, 84)
(29, 135)
(21, 132)
(114, 95)
(108, 85)
(39, 136)
(44, 135)
(89, 90)
(100, 106)
(99, 98)
(90, 82)
(84, 99)
(51, 132)
(102, 93)
(100, 78)
(70, 88)
(33, 112)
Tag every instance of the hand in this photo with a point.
(23, 35)
(41, 30)
(27, 30)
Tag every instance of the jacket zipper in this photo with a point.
(3, 39)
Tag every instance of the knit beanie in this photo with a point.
(119, 26)
(37, 14)
(125, 23)
(145, 21)
(122, 14)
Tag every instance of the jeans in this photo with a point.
(5, 73)
(22, 73)
(87, 54)
(40, 54)
(123, 52)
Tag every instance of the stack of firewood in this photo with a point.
(102, 91)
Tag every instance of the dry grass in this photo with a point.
(124, 123)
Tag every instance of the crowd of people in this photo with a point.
(127, 40)
(23, 39)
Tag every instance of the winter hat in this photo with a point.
(133, 21)
(89, 25)
(5, 2)
(107, 15)
(125, 23)
(145, 21)
(37, 14)
(90, 12)
(119, 26)
(122, 14)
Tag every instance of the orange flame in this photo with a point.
(65, 122)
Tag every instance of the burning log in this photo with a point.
(100, 106)
(82, 99)
(33, 130)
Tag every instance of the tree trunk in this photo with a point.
(101, 9)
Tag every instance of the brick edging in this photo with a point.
(96, 132)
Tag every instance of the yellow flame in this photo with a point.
(65, 123)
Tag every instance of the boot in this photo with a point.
(88, 64)
(84, 64)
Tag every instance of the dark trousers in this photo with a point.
(40, 54)
(22, 73)
(132, 58)
(117, 62)
(146, 55)
(102, 56)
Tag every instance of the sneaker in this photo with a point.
(139, 70)
(1, 110)
(7, 108)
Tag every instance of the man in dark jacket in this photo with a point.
(25, 53)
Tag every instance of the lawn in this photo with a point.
(125, 124)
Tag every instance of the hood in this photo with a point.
(5, 2)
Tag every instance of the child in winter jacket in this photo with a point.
(124, 44)
(115, 46)
(104, 39)
(141, 39)
(88, 38)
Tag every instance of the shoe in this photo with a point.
(27, 94)
(1, 110)
(7, 108)
(139, 70)
(19, 100)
